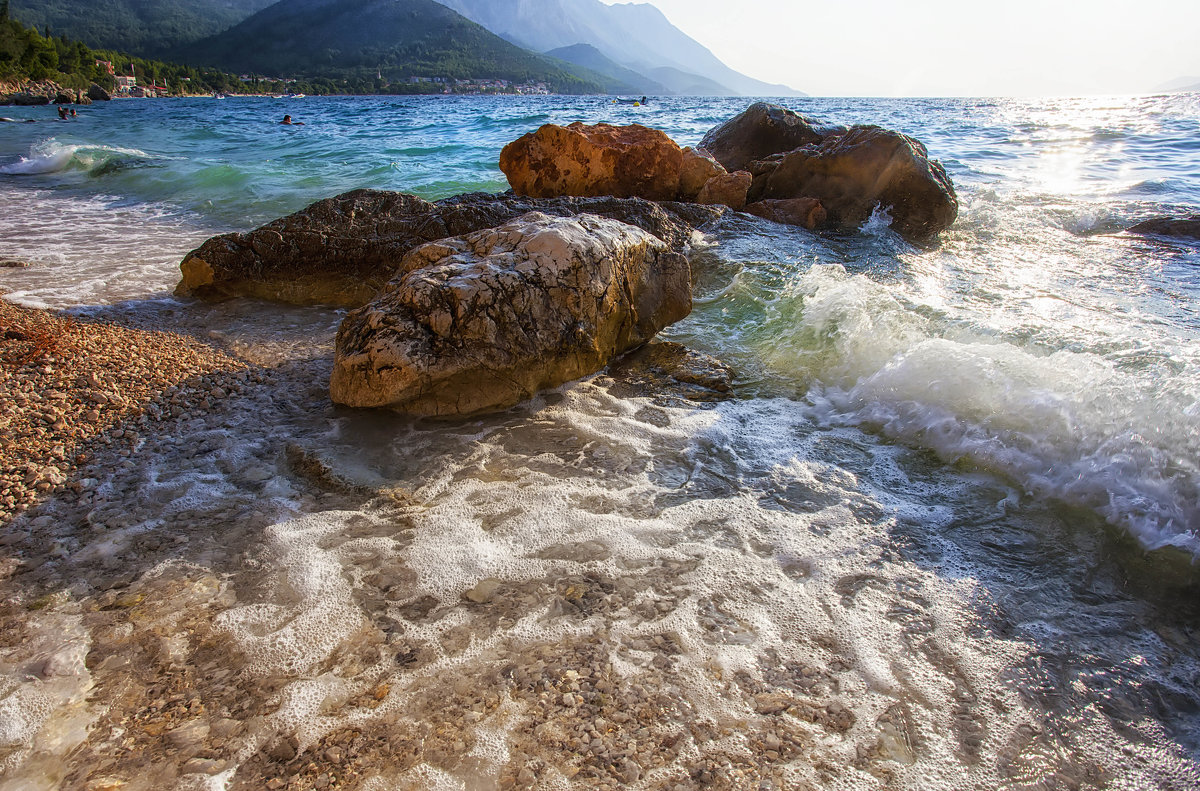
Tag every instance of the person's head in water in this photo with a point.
(62, 112)
(287, 119)
(73, 113)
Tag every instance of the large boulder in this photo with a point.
(853, 173)
(1178, 227)
(483, 321)
(98, 94)
(587, 161)
(727, 189)
(63, 97)
(763, 129)
(30, 99)
(341, 251)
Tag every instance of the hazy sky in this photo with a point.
(945, 48)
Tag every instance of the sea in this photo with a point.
(942, 535)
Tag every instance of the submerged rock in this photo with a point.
(1180, 227)
(804, 212)
(853, 173)
(341, 251)
(587, 161)
(484, 321)
(762, 130)
(665, 369)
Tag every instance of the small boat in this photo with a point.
(634, 102)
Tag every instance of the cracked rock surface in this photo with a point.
(484, 321)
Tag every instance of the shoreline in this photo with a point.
(74, 386)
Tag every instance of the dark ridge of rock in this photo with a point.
(852, 173)
(25, 99)
(1177, 227)
(98, 94)
(341, 251)
(483, 321)
(763, 129)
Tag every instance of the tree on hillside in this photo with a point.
(3, 10)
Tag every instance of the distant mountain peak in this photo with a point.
(636, 36)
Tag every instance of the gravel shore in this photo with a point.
(69, 385)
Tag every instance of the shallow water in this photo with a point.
(942, 536)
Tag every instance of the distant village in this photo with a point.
(127, 85)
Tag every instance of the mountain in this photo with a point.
(395, 38)
(143, 27)
(1180, 85)
(619, 79)
(635, 35)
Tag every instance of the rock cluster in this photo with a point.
(477, 302)
(486, 320)
(42, 92)
(767, 153)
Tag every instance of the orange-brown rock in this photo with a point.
(727, 189)
(698, 167)
(587, 161)
(805, 212)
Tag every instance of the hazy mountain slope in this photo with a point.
(136, 26)
(1181, 84)
(399, 38)
(635, 35)
(621, 79)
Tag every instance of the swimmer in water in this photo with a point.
(287, 121)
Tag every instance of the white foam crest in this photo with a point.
(313, 611)
(101, 250)
(52, 156)
(1067, 425)
(879, 223)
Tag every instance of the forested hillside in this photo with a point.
(360, 40)
(141, 27)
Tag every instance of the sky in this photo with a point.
(945, 48)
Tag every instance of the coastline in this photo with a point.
(607, 587)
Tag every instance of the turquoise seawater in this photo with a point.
(961, 480)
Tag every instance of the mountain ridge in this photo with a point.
(370, 39)
(637, 36)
